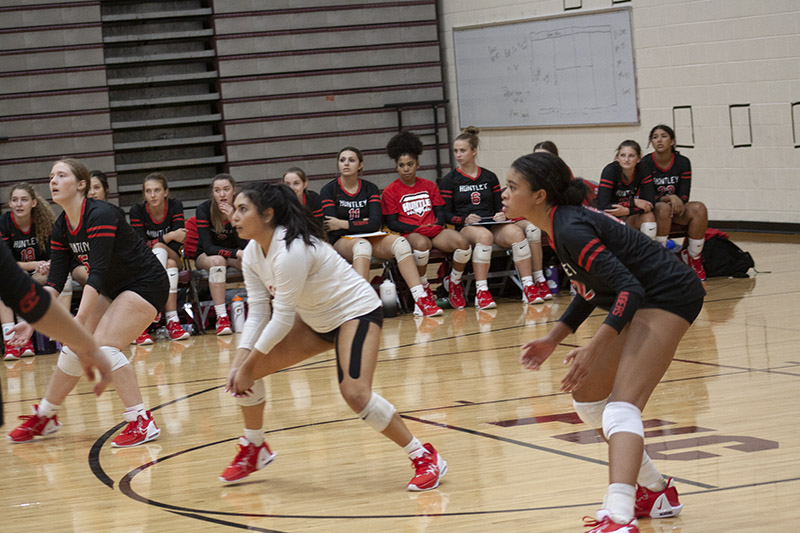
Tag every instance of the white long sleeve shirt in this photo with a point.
(312, 281)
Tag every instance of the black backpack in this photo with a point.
(722, 258)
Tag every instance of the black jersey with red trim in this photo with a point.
(152, 230)
(23, 244)
(616, 268)
(675, 179)
(362, 209)
(18, 290)
(104, 242)
(209, 241)
(613, 188)
(313, 202)
(467, 195)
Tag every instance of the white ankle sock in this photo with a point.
(619, 502)
(47, 409)
(172, 316)
(695, 247)
(414, 448)
(538, 275)
(221, 310)
(661, 239)
(134, 411)
(649, 476)
(7, 326)
(527, 281)
(254, 436)
(417, 291)
(482, 285)
(455, 275)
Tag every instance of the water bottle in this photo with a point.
(388, 293)
(237, 309)
(551, 275)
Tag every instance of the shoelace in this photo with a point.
(131, 427)
(425, 465)
(243, 455)
(588, 521)
(30, 420)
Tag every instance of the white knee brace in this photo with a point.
(69, 363)
(591, 412)
(217, 274)
(482, 255)
(401, 249)
(649, 229)
(162, 255)
(257, 397)
(421, 257)
(172, 274)
(462, 256)
(362, 248)
(115, 357)
(533, 234)
(622, 417)
(378, 413)
(520, 251)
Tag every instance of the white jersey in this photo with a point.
(312, 281)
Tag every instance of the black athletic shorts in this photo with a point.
(375, 316)
(154, 289)
(686, 310)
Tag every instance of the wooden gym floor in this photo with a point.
(519, 459)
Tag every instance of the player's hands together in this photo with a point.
(240, 381)
(333, 224)
(536, 352)
(643, 204)
(618, 211)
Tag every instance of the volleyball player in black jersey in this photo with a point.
(471, 197)
(25, 230)
(218, 246)
(672, 177)
(34, 304)
(126, 288)
(352, 206)
(159, 222)
(626, 190)
(651, 299)
(296, 179)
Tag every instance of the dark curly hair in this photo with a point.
(404, 143)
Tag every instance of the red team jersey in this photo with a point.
(413, 205)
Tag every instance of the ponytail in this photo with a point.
(286, 208)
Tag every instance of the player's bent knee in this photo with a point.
(521, 250)
(217, 274)
(482, 254)
(257, 395)
(115, 357)
(461, 256)
(622, 417)
(533, 234)
(421, 257)
(362, 249)
(378, 413)
(591, 412)
(401, 249)
(69, 363)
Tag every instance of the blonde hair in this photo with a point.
(42, 216)
(80, 171)
(469, 134)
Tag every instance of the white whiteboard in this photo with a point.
(558, 71)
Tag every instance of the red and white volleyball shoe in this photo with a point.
(484, 300)
(249, 459)
(138, 431)
(530, 295)
(455, 294)
(426, 306)
(175, 331)
(224, 326)
(544, 290)
(662, 504)
(27, 350)
(430, 467)
(11, 353)
(144, 339)
(695, 262)
(604, 524)
(34, 425)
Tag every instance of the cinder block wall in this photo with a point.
(707, 54)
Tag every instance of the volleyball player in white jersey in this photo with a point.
(318, 302)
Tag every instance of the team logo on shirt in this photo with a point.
(416, 204)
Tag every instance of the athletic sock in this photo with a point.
(649, 476)
(254, 436)
(172, 316)
(527, 281)
(482, 285)
(6, 327)
(414, 448)
(221, 310)
(662, 239)
(47, 409)
(619, 502)
(417, 291)
(455, 275)
(695, 247)
(134, 411)
(538, 275)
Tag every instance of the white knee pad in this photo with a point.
(378, 413)
(533, 234)
(69, 363)
(520, 251)
(172, 274)
(217, 274)
(622, 417)
(162, 255)
(649, 229)
(257, 397)
(363, 249)
(115, 357)
(401, 249)
(482, 255)
(462, 256)
(421, 257)
(591, 412)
